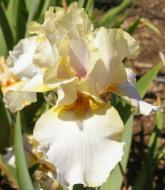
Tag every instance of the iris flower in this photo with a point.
(27, 64)
(82, 132)
(6, 78)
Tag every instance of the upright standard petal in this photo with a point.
(60, 22)
(27, 57)
(83, 150)
(113, 46)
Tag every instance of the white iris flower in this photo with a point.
(82, 131)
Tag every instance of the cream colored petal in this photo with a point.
(112, 46)
(66, 91)
(75, 21)
(79, 56)
(133, 48)
(16, 100)
(60, 22)
(36, 84)
(20, 58)
(23, 93)
(67, 94)
(29, 55)
(45, 55)
(88, 87)
(109, 63)
(83, 151)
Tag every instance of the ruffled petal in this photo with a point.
(60, 22)
(83, 151)
(67, 92)
(23, 93)
(112, 46)
(27, 57)
(128, 91)
(16, 100)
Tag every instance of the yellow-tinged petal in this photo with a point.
(83, 150)
(16, 100)
(112, 46)
(67, 93)
(27, 57)
(59, 22)
(23, 93)
(28, 61)
(36, 84)
(6, 77)
(79, 56)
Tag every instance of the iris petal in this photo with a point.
(84, 151)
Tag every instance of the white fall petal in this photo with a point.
(83, 151)
(128, 91)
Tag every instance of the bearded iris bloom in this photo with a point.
(26, 63)
(81, 133)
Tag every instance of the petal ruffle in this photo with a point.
(27, 54)
(16, 100)
(60, 22)
(113, 46)
(84, 151)
(129, 92)
(23, 93)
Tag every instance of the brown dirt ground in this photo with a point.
(151, 43)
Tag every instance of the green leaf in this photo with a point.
(44, 8)
(9, 172)
(12, 14)
(17, 16)
(5, 26)
(28, 4)
(80, 187)
(89, 7)
(4, 126)
(145, 174)
(144, 178)
(151, 26)
(23, 176)
(53, 2)
(34, 9)
(3, 47)
(119, 19)
(108, 17)
(144, 82)
(132, 28)
(115, 179)
(81, 3)
(31, 112)
(122, 106)
(159, 119)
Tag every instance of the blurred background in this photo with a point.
(145, 20)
